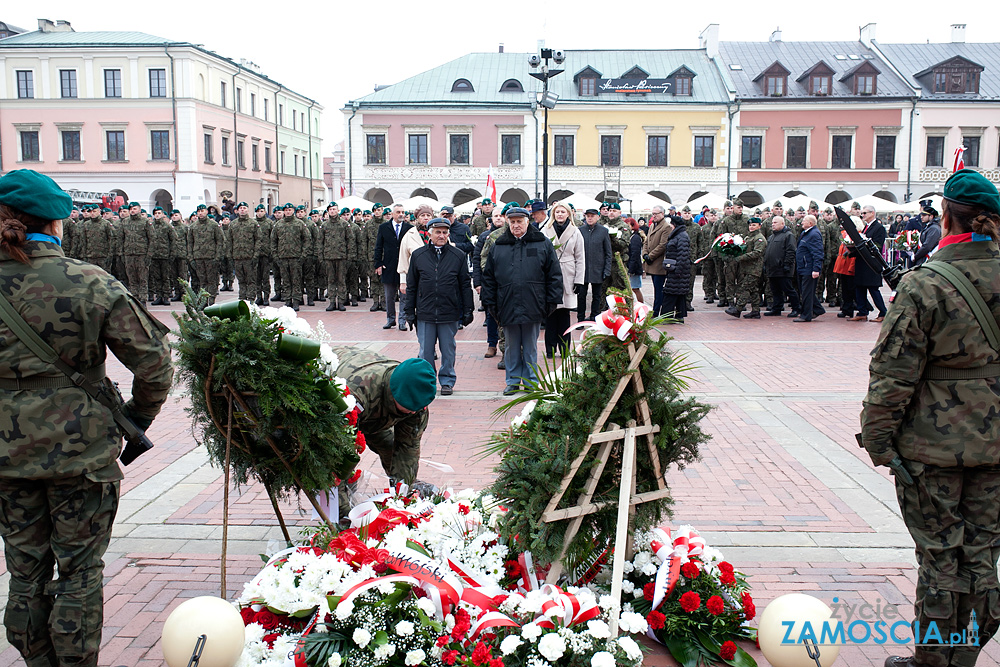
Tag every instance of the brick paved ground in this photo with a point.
(782, 488)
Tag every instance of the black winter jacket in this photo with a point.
(438, 290)
(679, 248)
(779, 258)
(597, 245)
(461, 237)
(635, 254)
(522, 280)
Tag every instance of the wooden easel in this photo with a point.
(628, 499)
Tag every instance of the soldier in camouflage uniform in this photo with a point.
(226, 272)
(75, 217)
(353, 251)
(310, 258)
(279, 291)
(620, 235)
(930, 414)
(181, 254)
(206, 244)
(59, 482)
(162, 252)
(371, 236)
(720, 261)
(484, 254)
(96, 238)
(710, 280)
(737, 223)
(481, 222)
(750, 275)
(335, 239)
(317, 234)
(830, 227)
(363, 252)
(263, 260)
(242, 245)
(290, 240)
(136, 237)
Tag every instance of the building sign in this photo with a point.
(634, 85)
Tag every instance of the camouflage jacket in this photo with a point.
(371, 236)
(137, 236)
(752, 261)
(241, 242)
(736, 224)
(831, 239)
(71, 229)
(336, 238)
(264, 227)
(480, 224)
(488, 244)
(935, 422)
(360, 244)
(620, 236)
(80, 311)
(205, 239)
(290, 239)
(162, 245)
(181, 250)
(96, 239)
(367, 374)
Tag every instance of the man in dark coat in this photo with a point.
(866, 279)
(522, 284)
(929, 236)
(597, 248)
(386, 258)
(779, 264)
(809, 261)
(438, 296)
(677, 254)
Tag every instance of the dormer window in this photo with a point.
(511, 86)
(775, 86)
(864, 78)
(636, 73)
(682, 85)
(819, 79)
(586, 81)
(819, 85)
(462, 86)
(955, 76)
(864, 84)
(774, 80)
(588, 86)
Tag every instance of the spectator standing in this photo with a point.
(386, 260)
(597, 246)
(779, 264)
(568, 243)
(929, 236)
(635, 258)
(866, 279)
(809, 261)
(652, 254)
(497, 222)
(677, 266)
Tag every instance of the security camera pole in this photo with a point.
(547, 101)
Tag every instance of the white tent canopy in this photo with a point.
(643, 203)
(469, 207)
(710, 200)
(881, 205)
(580, 202)
(353, 201)
(413, 202)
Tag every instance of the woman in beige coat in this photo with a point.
(568, 242)
(652, 254)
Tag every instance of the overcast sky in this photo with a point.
(336, 50)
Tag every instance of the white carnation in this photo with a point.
(404, 628)
(344, 610)
(598, 629)
(632, 622)
(627, 586)
(425, 605)
(415, 657)
(649, 569)
(602, 659)
(510, 644)
(631, 649)
(552, 647)
(334, 660)
(361, 637)
(531, 632)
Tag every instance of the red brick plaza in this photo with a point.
(782, 488)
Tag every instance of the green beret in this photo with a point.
(260, 207)
(617, 207)
(201, 207)
(487, 201)
(754, 221)
(971, 188)
(242, 203)
(314, 212)
(171, 212)
(300, 207)
(157, 208)
(108, 210)
(508, 206)
(35, 194)
(134, 203)
(356, 210)
(288, 206)
(366, 212)
(376, 206)
(345, 211)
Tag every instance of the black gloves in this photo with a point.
(645, 258)
(468, 318)
(141, 422)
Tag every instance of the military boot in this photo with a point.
(309, 300)
(354, 301)
(260, 301)
(332, 306)
(319, 296)
(276, 297)
(295, 306)
(373, 308)
(340, 305)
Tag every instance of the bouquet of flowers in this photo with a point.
(907, 241)
(731, 245)
(694, 602)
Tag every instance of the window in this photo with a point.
(295, 162)
(885, 152)
(819, 85)
(704, 151)
(208, 148)
(511, 86)
(71, 146)
(775, 86)
(656, 151)
(972, 82)
(564, 149)
(295, 119)
(240, 158)
(29, 146)
(588, 86)
(971, 154)
(795, 156)
(940, 82)
(611, 150)
(222, 91)
(255, 157)
(462, 86)
(281, 114)
(158, 84)
(67, 82)
(265, 108)
(682, 85)
(750, 154)
(25, 84)
(160, 140)
(841, 156)
(253, 104)
(510, 149)
(375, 152)
(225, 150)
(116, 145)
(282, 156)
(458, 149)
(864, 84)
(267, 158)
(239, 100)
(112, 83)
(418, 148)
(935, 151)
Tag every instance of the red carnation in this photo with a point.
(690, 601)
(270, 639)
(690, 570)
(463, 509)
(715, 605)
(499, 599)
(355, 477)
(727, 651)
(352, 417)
(449, 657)
(266, 619)
(648, 591)
(749, 610)
(725, 566)
(247, 614)
(496, 662)
(656, 620)
(359, 442)
(481, 654)
(727, 579)
(442, 641)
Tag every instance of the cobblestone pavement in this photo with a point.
(782, 488)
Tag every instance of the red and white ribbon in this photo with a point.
(565, 609)
(673, 550)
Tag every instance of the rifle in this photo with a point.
(869, 254)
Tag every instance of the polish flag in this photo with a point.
(959, 160)
(342, 191)
(491, 185)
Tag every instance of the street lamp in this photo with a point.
(547, 101)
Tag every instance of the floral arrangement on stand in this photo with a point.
(907, 241)
(731, 245)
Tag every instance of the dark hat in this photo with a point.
(971, 188)
(413, 383)
(376, 206)
(704, 208)
(737, 202)
(171, 212)
(201, 207)
(300, 207)
(356, 210)
(754, 220)
(242, 203)
(366, 212)
(777, 204)
(591, 210)
(486, 201)
(538, 206)
(314, 212)
(604, 204)
(439, 222)
(929, 210)
(260, 207)
(517, 211)
(134, 203)
(448, 209)
(686, 209)
(615, 206)
(36, 194)
(345, 211)
(332, 204)
(926, 202)
(157, 208)
(76, 208)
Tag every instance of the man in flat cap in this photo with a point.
(930, 235)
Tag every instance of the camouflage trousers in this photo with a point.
(64, 524)
(264, 277)
(226, 271)
(709, 280)
(397, 462)
(732, 271)
(720, 275)
(363, 291)
(137, 272)
(953, 515)
(821, 283)
(291, 271)
(309, 276)
(378, 296)
(246, 276)
(279, 286)
(180, 272)
(159, 278)
(831, 281)
(207, 271)
(320, 277)
(748, 291)
(336, 271)
(353, 279)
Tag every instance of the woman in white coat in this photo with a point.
(568, 242)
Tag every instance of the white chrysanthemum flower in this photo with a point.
(602, 659)
(510, 644)
(631, 649)
(552, 647)
(361, 637)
